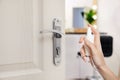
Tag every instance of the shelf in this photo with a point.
(76, 31)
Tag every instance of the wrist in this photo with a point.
(106, 73)
(103, 67)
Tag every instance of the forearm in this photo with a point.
(119, 74)
(106, 73)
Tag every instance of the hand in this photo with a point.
(96, 54)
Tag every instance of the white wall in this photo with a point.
(109, 21)
(70, 4)
(75, 67)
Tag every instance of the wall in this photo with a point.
(75, 67)
(70, 4)
(109, 21)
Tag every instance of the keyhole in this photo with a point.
(57, 50)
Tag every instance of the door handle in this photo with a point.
(57, 35)
(52, 31)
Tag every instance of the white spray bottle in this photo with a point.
(89, 37)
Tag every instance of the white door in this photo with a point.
(25, 54)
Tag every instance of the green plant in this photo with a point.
(89, 16)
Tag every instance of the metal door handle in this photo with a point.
(51, 31)
(57, 35)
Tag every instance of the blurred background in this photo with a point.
(106, 18)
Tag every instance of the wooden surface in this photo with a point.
(76, 31)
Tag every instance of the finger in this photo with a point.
(81, 39)
(82, 52)
(88, 43)
(96, 33)
(90, 46)
(96, 37)
(91, 61)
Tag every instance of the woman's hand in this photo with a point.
(96, 54)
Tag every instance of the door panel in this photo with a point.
(25, 54)
(18, 39)
(15, 31)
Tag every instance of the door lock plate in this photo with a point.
(57, 42)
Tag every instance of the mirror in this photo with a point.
(78, 14)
